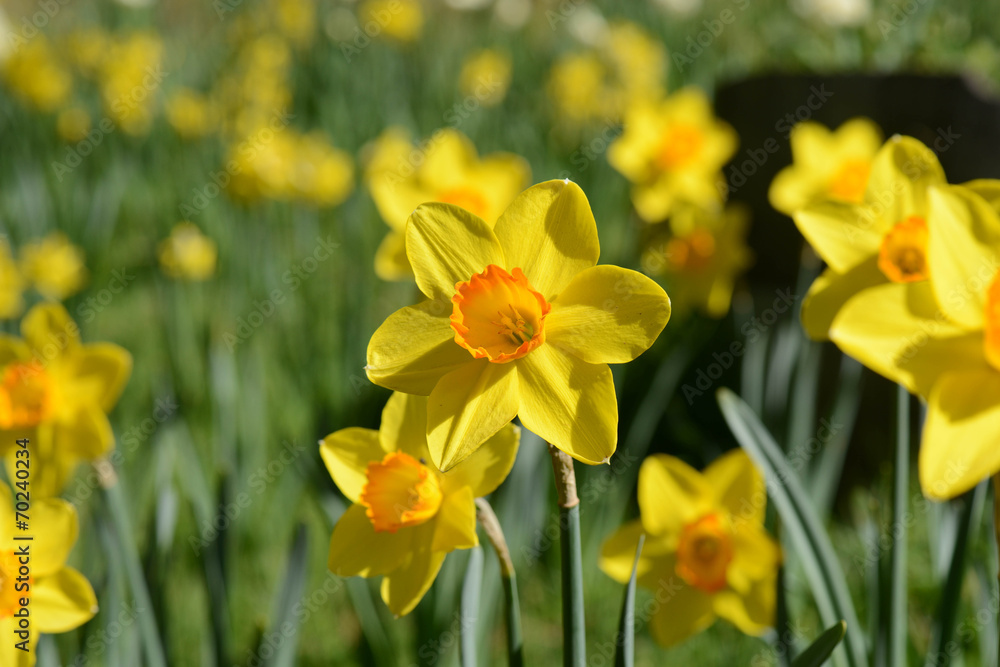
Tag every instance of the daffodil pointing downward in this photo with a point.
(518, 321)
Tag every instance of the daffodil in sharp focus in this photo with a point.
(706, 554)
(406, 516)
(941, 337)
(827, 164)
(881, 240)
(518, 321)
(59, 598)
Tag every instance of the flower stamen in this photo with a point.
(903, 254)
(704, 553)
(400, 491)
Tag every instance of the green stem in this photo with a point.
(472, 588)
(574, 630)
(491, 526)
(897, 610)
(151, 644)
(996, 536)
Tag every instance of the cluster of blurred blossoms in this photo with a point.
(52, 266)
(912, 284)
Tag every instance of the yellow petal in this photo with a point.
(62, 601)
(406, 585)
(99, 373)
(549, 232)
(414, 348)
(404, 425)
(488, 466)
(618, 554)
(12, 349)
(683, 612)
(897, 330)
(390, 258)
(671, 494)
(446, 245)
(501, 177)
(987, 188)
(630, 153)
(357, 550)
(959, 445)
(830, 292)
(9, 654)
(450, 156)
(963, 235)
(792, 189)
(738, 486)
(455, 522)
(752, 613)
(49, 331)
(654, 201)
(347, 454)
(54, 527)
(902, 171)
(839, 233)
(755, 556)
(83, 431)
(467, 407)
(608, 315)
(569, 403)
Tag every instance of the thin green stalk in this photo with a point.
(574, 631)
(472, 587)
(491, 526)
(151, 644)
(996, 536)
(625, 654)
(901, 483)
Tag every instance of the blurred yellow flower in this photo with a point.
(486, 77)
(639, 63)
(940, 337)
(446, 169)
(296, 19)
(87, 49)
(321, 174)
(518, 321)
(73, 124)
(187, 254)
(881, 239)
(406, 516)
(57, 392)
(399, 19)
(129, 77)
(707, 554)
(701, 257)
(826, 165)
(672, 152)
(190, 113)
(12, 284)
(35, 74)
(54, 266)
(59, 598)
(577, 89)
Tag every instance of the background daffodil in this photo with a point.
(706, 553)
(826, 164)
(406, 516)
(60, 598)
(672, 151)
(445, 169)
(941, 338)
(57, 392)
(518, 321)
(883, 239)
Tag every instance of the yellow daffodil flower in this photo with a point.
(297, 20)
(406, 516)
(57, 392)
(446, 169)
(706, 553)
(54, 266)
(129, 77)
(701, 257)
(883, 239)
(826, 165)
(940, 337)
(59, 598)
(190, 114)
(576, 87)
(672, 152)
(36, 75)
(518, 321)
(187, 254)
(485, 77)
(638, 61)
(12, 284)
(73, 124)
